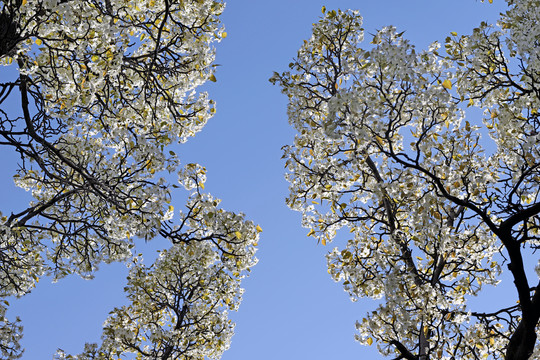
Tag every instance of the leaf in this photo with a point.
(323, 241)
(447, 84)
(212, 78)
(370, 341)
(323, 10)
(238, 235)
(258, 228)
(224, 35)
(311, 232)
(38, 41)
(454, 33)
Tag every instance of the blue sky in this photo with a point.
(291, 308)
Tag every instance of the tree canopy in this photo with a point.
(104, 89)
(431, 160)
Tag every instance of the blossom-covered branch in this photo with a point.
(104, 89)
(436, 202)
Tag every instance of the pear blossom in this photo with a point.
(107, 91)
(426, 204)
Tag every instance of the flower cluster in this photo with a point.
(106, 88)
(433, 201)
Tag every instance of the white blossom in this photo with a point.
(433, 206)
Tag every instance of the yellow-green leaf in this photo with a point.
(447, 84)
(258, 228)
(212, 78)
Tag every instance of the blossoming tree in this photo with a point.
(437, 203)
(103, 88)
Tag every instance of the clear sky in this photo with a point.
(291, 308)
